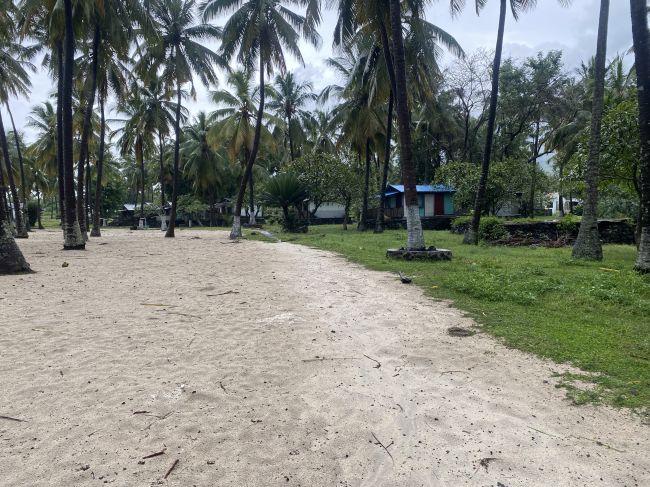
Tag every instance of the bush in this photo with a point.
(568, 225)
(460, 224)
(492, 228)
(32, 212)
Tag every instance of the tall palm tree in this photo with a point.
(517, 7)
(288, 98)
(18, 142)
(257, 33)
(588, 245)
(641, 36)
(175, 46)
(235, 122)
(415, 235)
(204, 166)
(14, 81)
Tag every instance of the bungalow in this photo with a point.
(434, 200)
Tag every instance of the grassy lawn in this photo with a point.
(595, 316)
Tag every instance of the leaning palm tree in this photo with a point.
(288, 98)
(257, 33)
(588, 245)
(516, 7)
(234, 124)
(175, 47)
(641, 36)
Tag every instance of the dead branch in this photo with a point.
(376, 361)
(156, 454)
(385, 447)
(171, 468)
(9, 418)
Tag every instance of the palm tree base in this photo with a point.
(642, 263)
(95, 232)
(73, 239)
(12, 260)
(415, 235)
(235, 232)
(470, 237)
(588, 245)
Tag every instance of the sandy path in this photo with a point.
(218, 341)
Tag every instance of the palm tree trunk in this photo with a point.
(251, 196)
(533, 174)
(21, 165)
(59, 133)
(177, 130)
(471, 235)
(235, 232)
(641, 37)
(38, 209)
(21, 230)
(588, 245)
(139, 151)
(11, 258)
(560, 194)
(73, 238)
(379, 224)
(161, 149)
(291, 149)
(366, 187)
(86, 131)
(96, 232)
(415, 238)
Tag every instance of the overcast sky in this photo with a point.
(549, 26)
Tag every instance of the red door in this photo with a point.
(438, 204)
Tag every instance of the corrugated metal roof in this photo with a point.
(423, 188)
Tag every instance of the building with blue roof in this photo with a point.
(434, 200)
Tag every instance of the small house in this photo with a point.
(433, 200)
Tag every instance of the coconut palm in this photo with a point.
(14, 81)
(288, 98)
(175, 47)
(641, 36)
(204, 166)
(257, 34)
(588, 245)
(235, 122)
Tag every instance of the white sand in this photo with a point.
(142, 323)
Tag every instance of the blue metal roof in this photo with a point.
(421, 188)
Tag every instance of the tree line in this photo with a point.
(482, 125)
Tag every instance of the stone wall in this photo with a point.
(611, 231)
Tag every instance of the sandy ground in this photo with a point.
(258, 364)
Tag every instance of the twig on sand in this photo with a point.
(141, 412)
(222, 294)
(376, 361)
(222, 387)
(9, 418)
(544, 432)
(598, 442)
(321, 359)
(485, 462)
(171, 469)
(156, 454)
(385, 447)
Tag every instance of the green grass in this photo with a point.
(595, 316)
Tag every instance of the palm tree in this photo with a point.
(258, 32)
(176, 46)
(19, 155)
(641, 36)
(203, 165)
(288, 97)
(14, 81)
(235, 123)
(516, 7)
(588, 245)
(415, 235)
